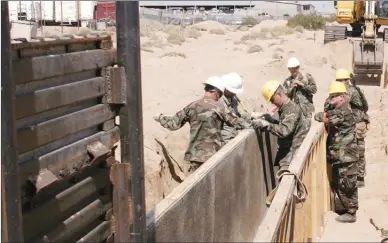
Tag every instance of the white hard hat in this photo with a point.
(216, 82)
(233, 83)
(293, 62)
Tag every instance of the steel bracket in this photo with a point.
(43, 179)
(98, 152)
(116, 85)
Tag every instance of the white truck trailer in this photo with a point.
(52, 12)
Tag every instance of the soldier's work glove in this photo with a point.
(269, 119)
(157, 117)
(259, 124)
(256, 115)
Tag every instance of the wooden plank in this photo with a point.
(270, 225)
(30, 69)
(50, 98)
(66, 156)
(48, 131)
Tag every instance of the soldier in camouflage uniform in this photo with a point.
(233, 86)
(357, 104)
(342, 149)
(291, 128)
(300, 88)
(206, 117)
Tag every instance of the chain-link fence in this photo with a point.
(177, 16)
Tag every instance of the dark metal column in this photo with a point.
(11, 217)
(131, 117)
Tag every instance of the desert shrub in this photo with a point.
(309, 22)
(174, 54)
(217, 31)
(254, 49)
(249, 21)
(193, 33)
(254, 36)
(278, 31)
(176, 38)
(147, 49)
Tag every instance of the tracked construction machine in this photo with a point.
(365, 18)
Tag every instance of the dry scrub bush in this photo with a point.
(243, 28)
(249, 21)
(272, 44)
(277, 56)
(268, 33)
(217, 31)
(147, 50)
(173, 54)
(279, 49)
(309, 22)
(176, 38)
(254, 49)
(240, 42)
(237, 49)
(193, 33)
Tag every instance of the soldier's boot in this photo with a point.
(346, 218)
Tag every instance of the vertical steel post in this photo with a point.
(11, 213)
(131, 117)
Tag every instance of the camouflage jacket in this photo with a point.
(355, 102)
(229, 132)
(341, 140)
(292, 127)
(206, 117)
(302, 96)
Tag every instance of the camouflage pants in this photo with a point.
(284, 156)
(194, 165)
(345, 185)
(361, 130)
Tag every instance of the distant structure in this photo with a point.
(274, 8)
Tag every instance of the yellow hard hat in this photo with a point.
(342, 74)
(269, 89)
(337, 87)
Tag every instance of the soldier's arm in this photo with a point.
(311, 86)
(231, 119)
(287, 87)
(335, 117)
(176, 121)
(355, 99)
(320, 116)
(286, 126)
(327, 106)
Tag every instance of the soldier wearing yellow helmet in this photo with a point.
(359, 106)
(291, 128)
(342, 149)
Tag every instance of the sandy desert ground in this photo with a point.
(176, 61)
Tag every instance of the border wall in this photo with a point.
(224, 200)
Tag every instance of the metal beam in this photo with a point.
(11, 217)
(131, 131)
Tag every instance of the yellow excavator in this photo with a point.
(365, 18)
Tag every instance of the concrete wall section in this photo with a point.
(224, 200)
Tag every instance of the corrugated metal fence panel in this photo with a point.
(65, 110)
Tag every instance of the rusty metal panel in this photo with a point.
(116, 85)
(30, 87)
(66, 136)
(50, 98)
(119, 176)
(64, 160)
(56, 65)
(63, 204)
(55, 45)
(48, 131)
